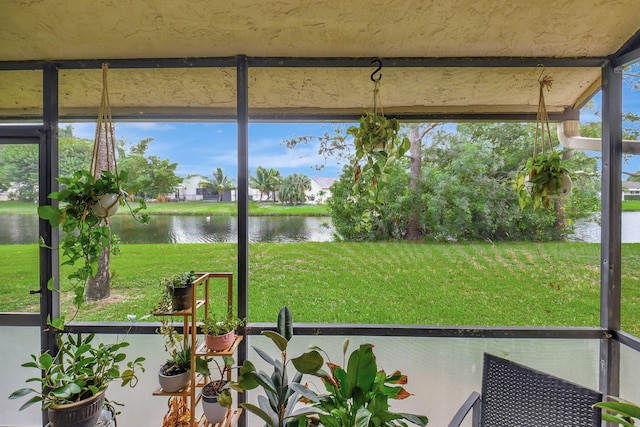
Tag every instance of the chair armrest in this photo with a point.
(472, 403)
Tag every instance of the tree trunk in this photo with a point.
(99, 287)
(415, 171)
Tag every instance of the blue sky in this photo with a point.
(199, 148)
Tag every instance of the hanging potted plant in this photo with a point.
(220, 333)
(73, 382)
(87, 199)
(543, 176)
(83, 217)
(378, 145)
(216, 395)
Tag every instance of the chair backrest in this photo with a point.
(514, 395)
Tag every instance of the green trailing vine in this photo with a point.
(378, 146)
(85, 232)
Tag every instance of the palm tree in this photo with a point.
(219, 183)
(260, 181)
(266, 181)
(293, 189)
(274, 181)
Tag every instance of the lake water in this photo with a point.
(21, 229)
(589, 231)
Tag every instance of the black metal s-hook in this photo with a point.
(377, 70)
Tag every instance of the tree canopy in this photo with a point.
(465, 191)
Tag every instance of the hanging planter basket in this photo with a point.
(106, 205)
(544, 177)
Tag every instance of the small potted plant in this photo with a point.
(86, 202)
(73, 382)
(180, 288)
(220, 333)
(175, 373)
(543, 178)
(216, 395)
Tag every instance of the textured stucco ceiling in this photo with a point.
(37, 30)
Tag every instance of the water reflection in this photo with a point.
(23, 229)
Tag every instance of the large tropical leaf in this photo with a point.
(308, 363)
(260, 413)
(361, 370)
(285, 324)
(279, 340)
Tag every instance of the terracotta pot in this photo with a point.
(173, 383)
(219, 342)
(106, 205)
(182, 298)
(80, 414)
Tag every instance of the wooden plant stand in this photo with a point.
(190, 335)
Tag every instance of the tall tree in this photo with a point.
(149, 176)
(260, 181)
(219, 183)
(417, 134)
(293, 189)
(164, 180)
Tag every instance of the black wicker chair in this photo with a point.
(514, 395)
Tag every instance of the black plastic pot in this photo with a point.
(182, 298)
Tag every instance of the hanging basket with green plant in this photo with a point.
(87, 199)
(543, 177)
(379, 144)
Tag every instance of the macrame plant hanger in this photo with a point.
(104, 147)
(543, 132)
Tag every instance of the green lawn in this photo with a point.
(631, 205)
(194, 208)
(226, 208)
(509, 284)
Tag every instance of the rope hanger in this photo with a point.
(543, 131)
(104, 147)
